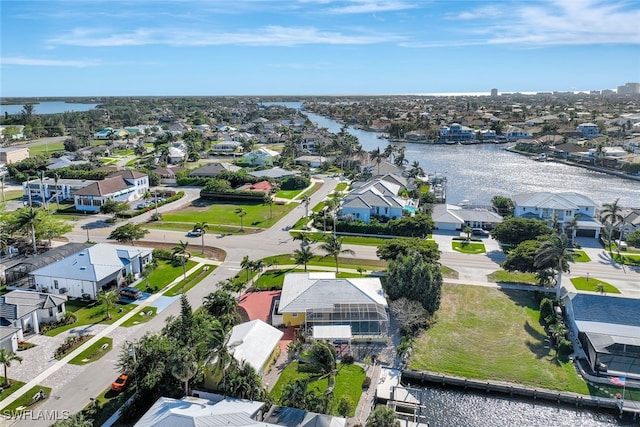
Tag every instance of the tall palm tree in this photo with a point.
(333, 248)
(6, 358)
(184, 367)
(247, 265)
(27, 220)
(303, 255)
(572, 228)
(306, 200)
(377, 156)
(241, 213)
(553, 254)
(108, 299)
(268, 200)
(180, 250)
(611, 213)
(202, 226)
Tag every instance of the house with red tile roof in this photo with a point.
(262, 186)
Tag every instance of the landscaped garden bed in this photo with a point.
(70, 344)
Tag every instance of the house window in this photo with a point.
(294, 314)
(55, 284)
(60, 309)
(51, 312)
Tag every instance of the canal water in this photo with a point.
(52, 107)
(478, 172)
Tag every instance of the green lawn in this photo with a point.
(23, 402)
(468, 247)
(316, 208)
(46, 148)
(627, 258)
(343, 262)
(582, 284)
(502, 276)
(191, 281)
(490, 334)
(341, 186)
(448, 272)
(15, 385)
(273, 279)
(347, 240)
(164, 274)
(223, 214)
(109, 402)
(94, 352)
(12, 195)
(140, 317)
(288, 194)
(348, 383)
(88, 313)
(581, 256)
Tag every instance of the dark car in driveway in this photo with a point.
(479, 232)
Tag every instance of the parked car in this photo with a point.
(120, 383)
(130, 293)
(143, 205)
(479, 232)
(195, 233)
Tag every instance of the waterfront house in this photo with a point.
(563, 207)
(453, 217)
(87, 272)
(456, 133)
(122, 186)
(319, 299)
(608, 329)
(26, 310)
(378, 197)
(513, 133)
(294, 417)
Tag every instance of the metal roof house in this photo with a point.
(255, 343)
(26, 310)
(608, 329)
(85, 273)
(310, 299)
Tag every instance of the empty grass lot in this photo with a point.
(46, 148)
(343, 262)
(348, 383)
(273, 279)
(492, 334)
(582, 284)
(258, 216)
(347, 240)
(468, 247)
(502, 276)
(94, 352)
(288, 194)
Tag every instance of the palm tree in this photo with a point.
(611, 214)
(306, 200)
(241, 213)
(202, 226)
(377, 156)
(180, 250)
(184, 367)
(247, 265)
(553, 254)
(56, 177)
(572, 227)
(108, 299)
(268, 200)
(416, 170)
(333, 247)
(303, 255)
(468, 230)
(27, 219)
(5, 359)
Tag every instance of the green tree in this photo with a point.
(333, 248)
(522, 257)
(634, 239)
(390, 249)
(512, 230)
(383, 416)
(303, 255)
(78, 419)
(26, 220)
(223, 306)
(129, 232)
(180, 251)
(244, 383)
(114, 207)
(6, 358)
(546, 309)
(247, 265)
(502, 205)
(611, 214)
(377, 157)
(241, 213)
(294, 393)
(184, 367)
(202, 226)
(345, 406)
(553, 254)
(411, 276)
(108, 300)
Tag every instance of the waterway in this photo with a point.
(479, 172)
(52, 107)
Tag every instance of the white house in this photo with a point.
(176, 154)
(225, 147)
(453, 217)
(456, 132)
(85, 273)
(9, 337)
(513, 132)
(261, 157)
(122, 186)
(16, 131)
(26, 310)
(564, 206)
(378, 197)
(588, 130)
(255, 343)
(47, 189)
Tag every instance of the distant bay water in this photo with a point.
(52, 107)
(478, 172)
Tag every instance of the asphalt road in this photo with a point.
(91, 380)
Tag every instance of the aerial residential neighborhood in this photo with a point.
(266, 270)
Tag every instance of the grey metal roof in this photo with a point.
(293, 417)
(553, 200)
(606, 309)
(7, 331)
(17, 304)
(273, 173)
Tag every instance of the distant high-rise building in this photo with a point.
(494, 93)
(629, 89)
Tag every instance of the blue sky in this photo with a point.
(305, 47)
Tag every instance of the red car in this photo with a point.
(120, 383)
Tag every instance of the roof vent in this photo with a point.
(83, 268)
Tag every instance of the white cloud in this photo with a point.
(555, 22)
(37, 62)
(266, 36)
(372, 6)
